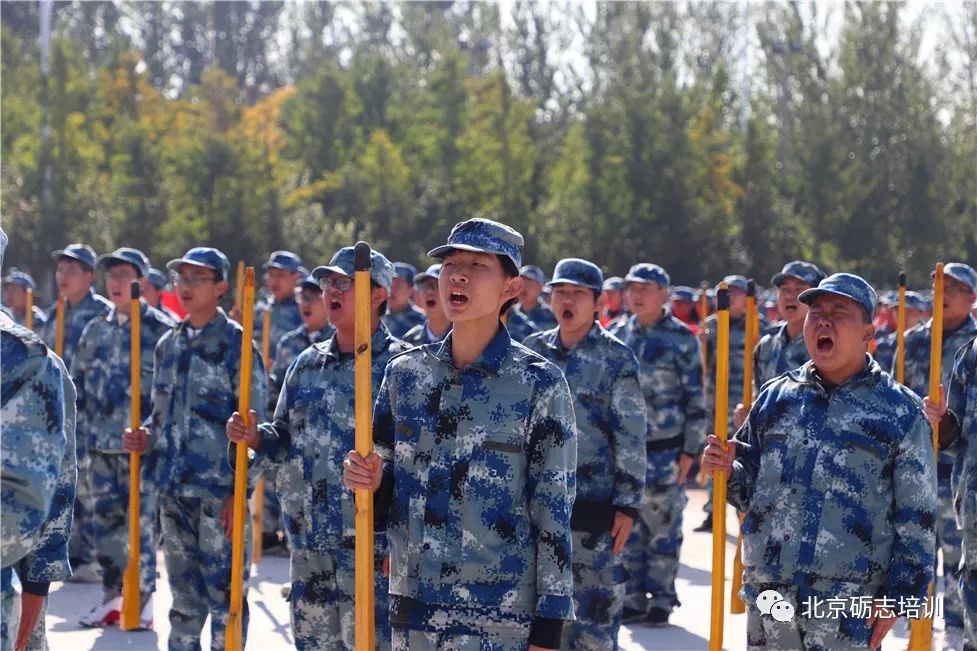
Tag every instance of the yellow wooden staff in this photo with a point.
(921, 630)
(29, 314)
(233, 640)
(901, 331)
(720, 426)
(59, 328)
(363, 408)
(239, 287)
(131, 594)
(736, 605)
(259, 490)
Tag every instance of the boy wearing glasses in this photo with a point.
(312, 430)
(475, 461)
(959, 327)
(100, 371)
(195, 389)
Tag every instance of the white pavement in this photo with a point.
(269, 629)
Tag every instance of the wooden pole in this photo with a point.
(921, 630)
(363, 408)
(59, 328)
(233, 640)
(257, 522)
(131, 591)
(901, 331)
(736, 605)
(239, 286)
(720, 426)
(29, 314)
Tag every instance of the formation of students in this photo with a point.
(528, 495)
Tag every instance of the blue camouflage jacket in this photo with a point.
(775, 354)
(313, 430)
(398, 323)
(611, 423)
(962, 402)
(100, 370)
(195, 391)
(76, 317)
(670, 374)
(479, 479)
(285, 317)
(288, 348)
(837, 484)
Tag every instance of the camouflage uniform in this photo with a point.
(519, 325)
(398, 323)
(195, 390)
(101, 372)
(670, 374)
(311, 434)
(611, 427)
(288, 349)
(478, 487)
(541, 316)
(420, 335)
(38, 474)
(838, 488)
(775, 354)
(885, 348)
(81, 545)
(918, 343)
(962, 399)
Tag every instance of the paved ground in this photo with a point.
(269, 629)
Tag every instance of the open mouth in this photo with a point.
(335, 305)
(790, 307)
(306, 314)
(825, 344)
(568, 314)
(431, 304)
(457, 299)
(186, 297)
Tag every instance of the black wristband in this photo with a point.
(546, 632)
(39, 588)
(629, 511)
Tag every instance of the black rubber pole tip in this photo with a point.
(722, 299)
(751, 287)
(361, 256)
(902, 278)
(134, 289)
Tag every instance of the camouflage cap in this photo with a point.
(916, 301)
(434, 271)
(342, 263)
(157, 278)
(645, 272)
(283, 260)
(805, 272)
(18, 277)
(405, 270)
(80, 252)
(125, 255)
(683, 293)
(736, 282)
(576, 271)
(532, 272)
(202, 256)
(612, 284)
(845, 285)
(483, 236)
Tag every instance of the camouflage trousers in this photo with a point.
(823, 632)
(322, 600)
(598, 594)
(81, 541)
(271, 515)
(198, 561)
(10, 617)
(459, 628)
(651, 555)
(109, 478)
(948, 540)
(968, 587)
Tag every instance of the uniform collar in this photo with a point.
(660, 323)
(551, 339)
(111, 317)
(492, 357)
(219, 320)
(807, 374)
